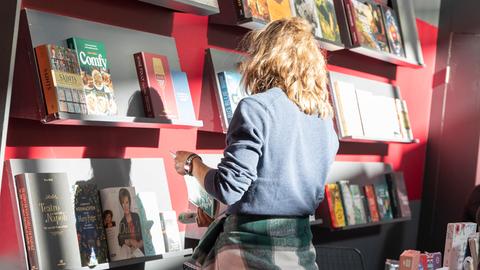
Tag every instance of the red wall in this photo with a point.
(31, 139)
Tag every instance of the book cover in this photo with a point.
(182, 96)
(396, 184)
(346, 103)
(252, 10)
(91, 236)
(456, 243)
(328, 20)
(434, 260)
(392, 29)
(307, 10)
(369, 25)
(96, 77)
(199, 197)
(153, 241)
(59, 73)
(335, 205)
(372, 202)
(170, 231)
(49, 220)
(366, 207)
(358, 205)
(156, 85)
(122, 223)
(230, 94)
(383, 200)
(347, 202)
(404, 119)
(279, 9)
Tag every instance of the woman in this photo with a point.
(130, 233)
(280, 145)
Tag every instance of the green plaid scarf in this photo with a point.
(257, 242)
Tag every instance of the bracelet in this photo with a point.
(188, 166)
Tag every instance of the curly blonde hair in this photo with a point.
(285, 54)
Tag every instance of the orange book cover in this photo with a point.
(279, 9)
(335, 205)
(372, 203)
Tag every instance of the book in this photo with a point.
(347, 202)
(279, 9)
(383, 200)
(122, 223)
(348, 112)
(409, 260)
(199, 197)
(59, 73)
(335, 205)
(404, 119)
(328, 20)
(456, 243)
(229, 95)
(156, 85)
(366, 26)
(170, 231)
(91, 236)
(398, 192)
(392, 29)
(372, 203)
(358, 205)
(307, 10)
(366, 206)
(252, 13)
(48, 220)
(96, 77)
(182, 96)
(153, 241)
(434, 260)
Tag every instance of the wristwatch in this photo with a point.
(188, 166)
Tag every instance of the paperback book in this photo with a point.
(307, 10)
(199, 197)
(153, 241)
(383, 200)
(182, 96)
(122, 223)
(279, 9)
(48, 220)
(156, 85)
(96, 77)
(392, 29)
(252, 13)
(347, 202)
(372, 203)
(358, 204)
(171, 234)
(59, 73)
(328, 20)
(398, 194)
(229, 95)
(335, 206)
(347, 108)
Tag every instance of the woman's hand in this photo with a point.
(179, 160)
(203, 220)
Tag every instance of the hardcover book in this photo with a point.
(96, 77)
(182, 96)
(279, 9)
(156, 85)
(171, 234)
(347, 202)
(372, 202)
(456, 244)
(335, 205)
(59, 73)
(229, 95)
(328, 20)
(153, 241)
(392, 29)
(307, 10)
(252, 12)
(358, 205)
(398, 191)
(383, 200)
(122, 223)
(89, 223)
(48, 220)
(367, 27)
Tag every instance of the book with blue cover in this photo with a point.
(231, 92)
(182, 96)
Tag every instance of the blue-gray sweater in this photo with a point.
(276, 159)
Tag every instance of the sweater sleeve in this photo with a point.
(238, 168)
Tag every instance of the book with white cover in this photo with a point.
(456, 243)
(151, 226)
(346, 105)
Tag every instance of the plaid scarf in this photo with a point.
(257, 242)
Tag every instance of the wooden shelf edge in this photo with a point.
(323, 225)
(118, 121)
(127, 262)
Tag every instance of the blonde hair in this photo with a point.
(285, 54)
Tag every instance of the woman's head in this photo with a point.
(125, 200)
(285, 54)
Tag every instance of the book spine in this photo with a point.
(351, 21)
(227, 107)
(142, 80)
(47, 79)
(27, 223)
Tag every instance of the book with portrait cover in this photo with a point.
(96, 77)
(229, 95)
(307, 10)
(393, 32)
(122, 224)
(156, 85)
(153, 241)
(48, 220)
(59, 73)
(91, 236)
(328, 20)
